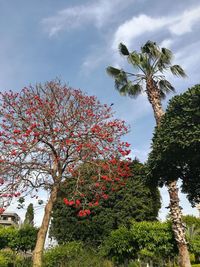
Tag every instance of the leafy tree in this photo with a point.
(176, 144)
(18, 239)
(27, 236)
(136, 200)
(46, 132)
(175, 149)
(8, 236)
(149, 65)
(152, 240)
(29, 216)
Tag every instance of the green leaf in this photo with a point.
(134, 90)
(165, 87)
(178, 71)
(123, 50)
(113, 71)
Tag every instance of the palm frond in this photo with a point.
(134, 59)
(165, 87)
(151, 49)
(166, 56)
(178, 71)
(123, 50)
(113, 71)
(121, 80)
(134, 90)
(124, 90)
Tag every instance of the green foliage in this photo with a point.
(193, 235)
(62, 254)
(144, 240)
(190, 220)
(135, 200)
(4, 259)
(29, 216)
(74, 254)
(8, 237)
(27, 236)
(149, 63)
(9, 258)
(22, 239)
(176, 144)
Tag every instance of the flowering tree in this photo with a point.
(47, 132)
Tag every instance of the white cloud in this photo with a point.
(135, 27)
(97, 14)
(186, 21)
(166, 43)
(139, 25)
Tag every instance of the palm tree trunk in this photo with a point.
(177, 225)
(154, 98)
(38, 251)
(175, 210)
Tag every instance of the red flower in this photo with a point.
(78, 203)
(104, 196)
(83, 213)
(66, 201)
(16, 131)
(71, 203)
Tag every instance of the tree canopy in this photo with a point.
(176, 144)
(136, 200)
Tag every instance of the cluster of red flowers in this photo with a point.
(83, 213)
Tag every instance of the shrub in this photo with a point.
(148, 241)
(62, 254)
(74, 254)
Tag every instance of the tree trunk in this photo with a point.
(38, 251)
(154, 98)
(177, 225)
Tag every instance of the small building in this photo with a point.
(9, 219)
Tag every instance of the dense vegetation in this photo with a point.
(176, 144)
(136, 200)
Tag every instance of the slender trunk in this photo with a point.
(178, 227)
(154, 98)
(38, 251)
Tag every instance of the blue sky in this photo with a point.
(76, 40)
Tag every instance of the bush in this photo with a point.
(147, 241)
(74, 254)
(59, 255)
(22, 239)
(9, 258)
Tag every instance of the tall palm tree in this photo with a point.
(149, 65)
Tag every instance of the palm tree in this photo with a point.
(149, 65)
